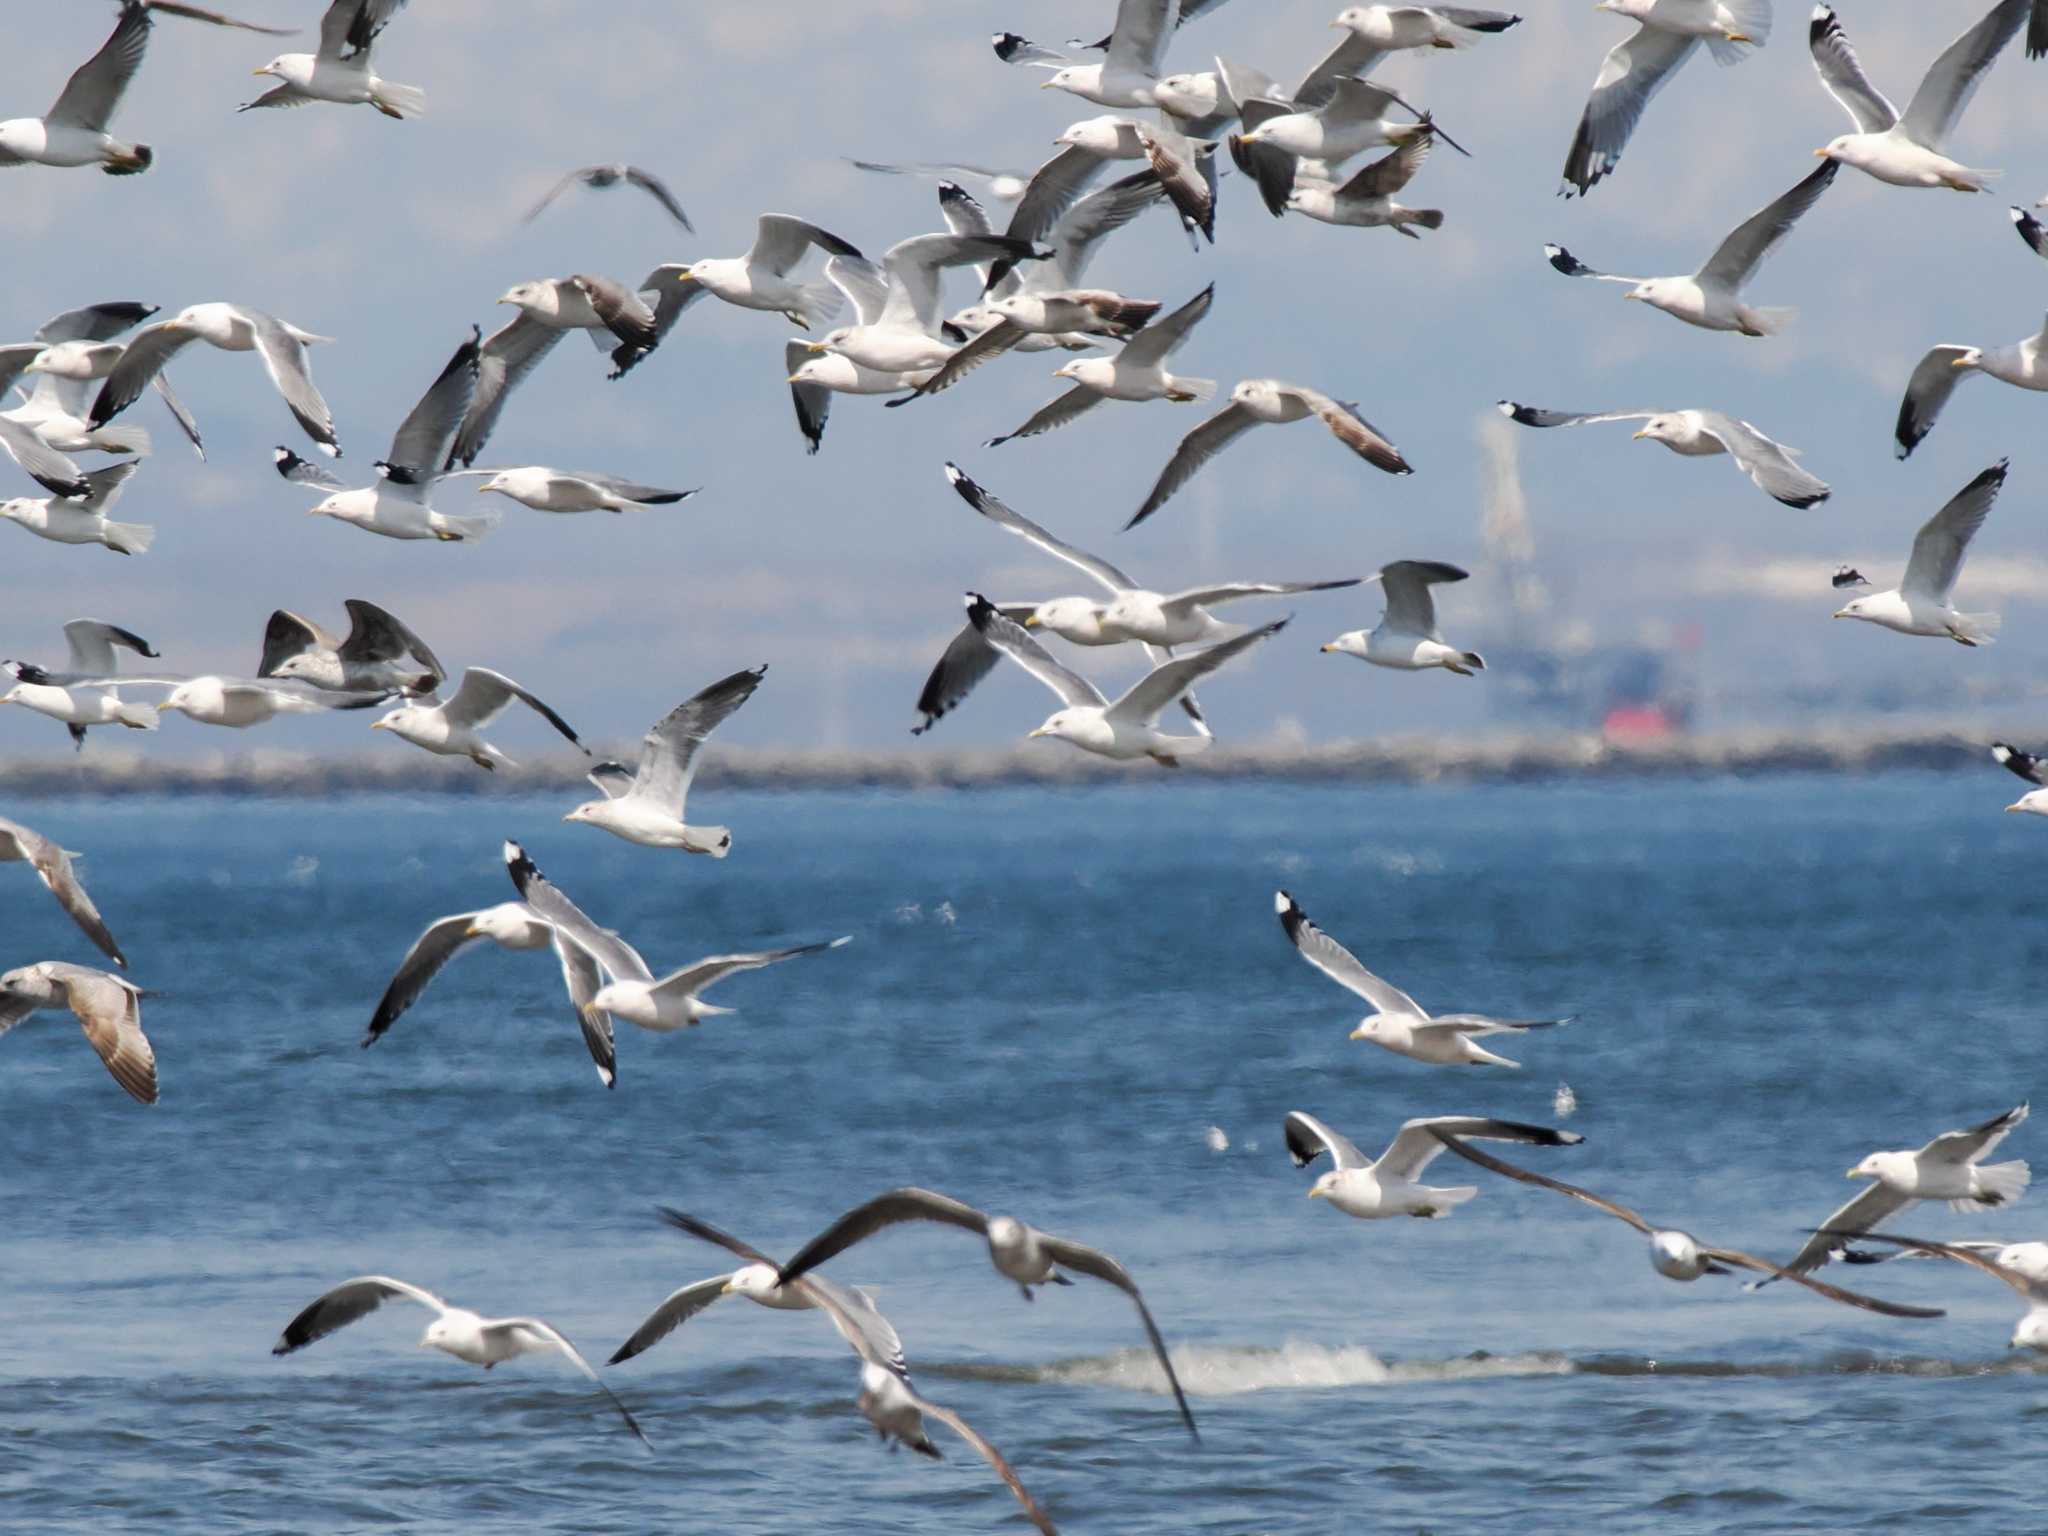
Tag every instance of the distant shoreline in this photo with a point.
(1500, 757)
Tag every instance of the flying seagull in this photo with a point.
(1947, 1168)
(1407, 637)
(69, 353)
(52, 864)
(1398, 1023)
(107, 1007)
(1678, 1255)
(599, 177)
(560, 490)
(1373, 1188)
(511, 925)
(86, 693)
(887, 1400)
(1642, 64)
(1906, 150)
(1128, 728)
(74, 131)
(1258, 401)
(231, 328)
(1695, 433)
(1020, 1253)
(380, 653)
(2023, 1266)
(1131, 613)
(1137, 372)
(468, 1336)
(449, 728)
(633, 992)
(83, 519)
(645, 804)
(2024, 365)
(1711, 298)
(1920, 605)
(400, 504)
(340, 71)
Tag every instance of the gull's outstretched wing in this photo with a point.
(886, 1210)
(1635, 70)
(483, 696)
(996, 511)
(1841, 74)
(347, 1303)
(1338, 963)
(1736, 258)
(1954, 76)
(53, 867)
(1011, 638)
(618, 957)
(1939, 546)
(1418, 1142)
(668, 753)
(1933, 380)
(1165, 683)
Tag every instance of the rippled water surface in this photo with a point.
(1053, 1005)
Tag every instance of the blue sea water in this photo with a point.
(1053, 1000)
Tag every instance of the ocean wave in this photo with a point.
(1232, 1370)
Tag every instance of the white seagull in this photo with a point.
(1676, 1254)
(238, 702)
(2024, 365)
(1128, 728)
(1711, 298)
(1668, 32)
(468, 1336)
(450, 728)
(645, 804)
(1906, 150)
(340, 72)
(905, 336)
(1947, 1168)
(1370, 1189)
(85, 694)
(1406, 637)
(1695, 434)
(69, 353)
(1920, 604)
(399, 505)
(1137, 372)
(761, 278)
(231, 328)
(74, 131)
(1398, 1023)
(1256, 402)
(1020, 1253)
(2023, 1266)
(107, 1007)
(511, 925)
(380, 653)
(634, 993)
(1130, 613)
(83, 519)
(561, 490)
(52, 864)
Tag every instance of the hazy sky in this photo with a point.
(844, 571)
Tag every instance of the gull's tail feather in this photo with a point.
(130, 538)
(1129, 315)
(1975, 629)
(1766, 322)
(1451, 35)
(1186, 391)
(1998, 1186)
(1470, 662)
(399, 101)
(1428, 218)
(129, 160)
(139, 717)
(121, 439)
(457, 530)
(1442, 1200)
(820, 302)
(716, 841)
(1752, 29)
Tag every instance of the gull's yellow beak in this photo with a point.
(1959, 362)
(2013, 807)
(1740, 37)
(377, 725)
(1045, 85)
(1358, 1033)
(725, 1289)
(1843, 613)
(1031, 621)
(1640, 435)
(1036, 731)
(793, 379)
(1328, 648)
(259, 71)
(1313, 1193)
(160, 708)
(1820, 154)
(472, 931)
(814, 346)
(1852, 1174)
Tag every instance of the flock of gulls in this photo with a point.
(80, 373)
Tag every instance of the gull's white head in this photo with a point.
(395, 719)
(1879, 1165)
(829, 372)
(1642, 291)
(587, 811)
(1853, 609)
(1350, 644)
(1324, 1187)
(504, 922)
(756, 1280)
(1838, 148)
(275, 67)
(1973, 357)
(75, 359)
(1666, 428)
(1368, 1028)
(13, 507)
(1257, 396)
(1072, 78)
(494, 483)
(528, 295)
(438, 1335)
(832, 340)
(1078, 726)
(1188, 95)
(1099, 135)
(330, 506)
(305, 664)
(2034, 802)
(180, 697)
(1067, 371)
